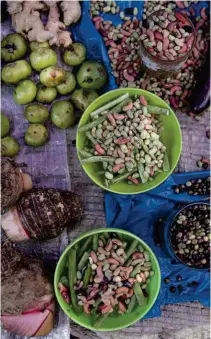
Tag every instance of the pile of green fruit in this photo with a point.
(53, 80)
(9, 145)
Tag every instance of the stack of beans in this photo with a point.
(123, 48)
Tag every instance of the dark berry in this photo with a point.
(180, 288)
(188, 28)
(128, 11)
(194, 283)
(178, 277)
(167, 280)
(145, 24)
(172, 289)
(205, 165)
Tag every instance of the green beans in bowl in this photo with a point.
(128, 141)
(107, 279)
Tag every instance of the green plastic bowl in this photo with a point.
(117, 322)
(171, 137)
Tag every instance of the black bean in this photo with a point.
(205, 166)
(180, 288)
(194, 283)
(128, 11)
(188, 28)
(178, 277)
(172, 289)
(167, 280)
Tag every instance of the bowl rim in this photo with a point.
(142, 91)
(167, 230)
(111, 230)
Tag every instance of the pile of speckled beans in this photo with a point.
(167, 36)
(123, 43)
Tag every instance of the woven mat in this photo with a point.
(181, 321)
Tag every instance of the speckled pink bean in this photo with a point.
(183, 49)
(112, 261)
(112, 120)
(175, 81)
(118, 116)
(96, 18)
(150, 34)
(100, 272)
(99, 149)
(199, 24)
(165, 43)
(192, 11)
(203, 13)
(173, 102)
(93, 256)
(108, 246)
(133, 180)
(180, 4)
(184, 95)
(143, 100)
(117, 242)
(127, 76)
(116, 168)
(127, 23)
(121, 141)
(170, 26)
(144, 84)
(196, 53)
(174, 89)
(190, 41)
(158, 35)
(125, 33)
(128, 107)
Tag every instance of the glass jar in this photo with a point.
(164, 68)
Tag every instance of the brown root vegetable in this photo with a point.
(26, 19)
(42, 214)
(27, 297)
(13, 183)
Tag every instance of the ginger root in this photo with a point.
(27, 21)
(71, 11)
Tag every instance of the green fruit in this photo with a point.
(36, 113)
(16, 71)
(9, 147)
(5, 125)
(35, 45)
(62, 114)
(75, 54)
(42, 58)
(13, 47)
(82, 98)
(36, 135)
(25, 92)
(92, 75)
(45, 94)
(52, 76)
(68, 85)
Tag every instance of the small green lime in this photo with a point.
(62, 114)
(9, 147)
(5, 125)
(36, 135)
